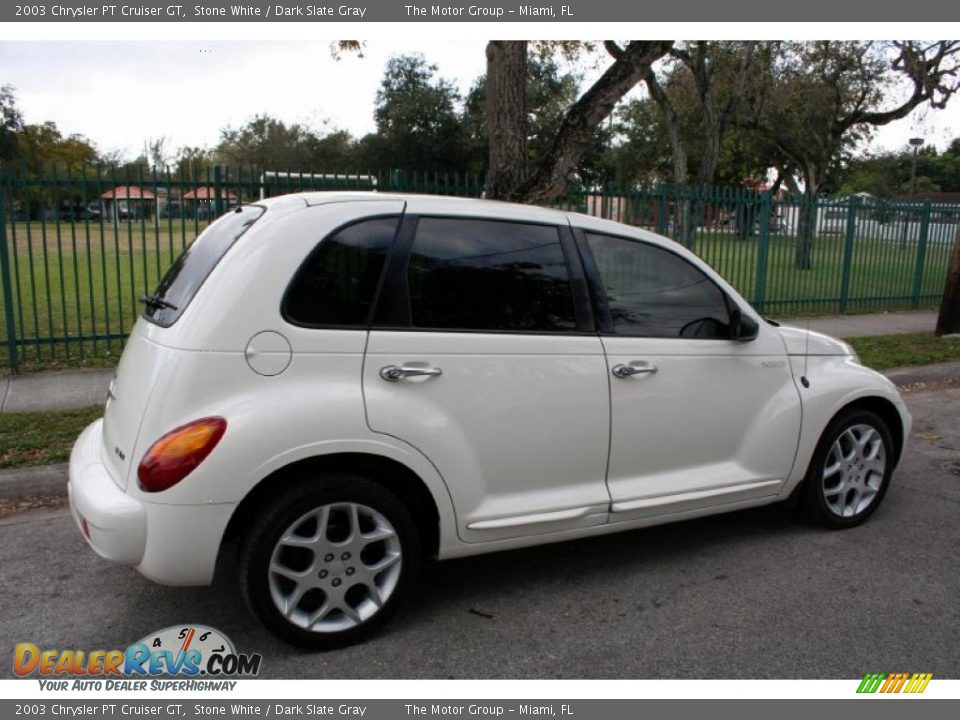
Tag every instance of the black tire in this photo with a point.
(814, 505)
(337, 492)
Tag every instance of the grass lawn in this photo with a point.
(889, 351)
(41, 438)
(75, 285)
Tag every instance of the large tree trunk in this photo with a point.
(948, 321)
(575, 135)
(807, 220)
(506, 117)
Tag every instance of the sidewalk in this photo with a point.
(845, 326)
(68, 389)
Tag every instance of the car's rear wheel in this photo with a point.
(850, 470)
(330, 561)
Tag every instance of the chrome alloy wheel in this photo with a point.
(854, 470)
(335, 567)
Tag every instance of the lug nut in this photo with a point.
(329, 557)
(323, 574)
(336, 582)
(345, 556)
(350, 571)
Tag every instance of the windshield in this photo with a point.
(188, 272)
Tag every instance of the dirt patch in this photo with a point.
(31, 502)
(929, 386)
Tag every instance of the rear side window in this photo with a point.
(336, 284)
(485, 275)
(188, 272)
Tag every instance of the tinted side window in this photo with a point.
(489, 275)
(336, 284)
(186, 275)
(654, 293)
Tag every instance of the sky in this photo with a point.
(119, 94)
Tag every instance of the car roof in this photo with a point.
(427, 204)
(468, 207)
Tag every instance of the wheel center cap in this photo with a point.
(336, 567)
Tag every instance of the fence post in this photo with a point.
(217, 190)
(921, 254)
(662, 210)
(848, 239)
(763, 249)
(7, 282)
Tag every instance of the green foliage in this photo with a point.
(43, 145)
(11, 123)
(888, 351)
(888, 174)
(418, 126)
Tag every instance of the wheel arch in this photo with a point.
(391, 474)
(886, 411)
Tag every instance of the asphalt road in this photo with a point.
(753, 594)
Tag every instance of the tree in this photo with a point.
(11, 123)
(41, 150)
(642, 155)
(706, 82)
(418, 126)
(548, 92)
(823, 97)
(509, 177)
(265, 143)
(948, 319)
(40, 146)
(191, 162)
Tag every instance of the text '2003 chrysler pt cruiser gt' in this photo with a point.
(346, 384)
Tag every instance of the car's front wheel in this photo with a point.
(329, 561)
(850, 470)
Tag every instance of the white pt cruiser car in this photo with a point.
(346, 384)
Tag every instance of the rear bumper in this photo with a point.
(114, 524)
(169, 544)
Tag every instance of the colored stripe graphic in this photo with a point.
(870, 683)
(894, 683)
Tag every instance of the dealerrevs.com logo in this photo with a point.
(887, 683)
(203, 655)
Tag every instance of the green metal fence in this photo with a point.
(77, 249)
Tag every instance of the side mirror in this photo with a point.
(742, 327)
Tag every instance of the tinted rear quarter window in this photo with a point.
(180, 283)
(484, 275)
(335, 285)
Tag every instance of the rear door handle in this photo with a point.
(634, 367)
(393, 373)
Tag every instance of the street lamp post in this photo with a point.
(916, 144)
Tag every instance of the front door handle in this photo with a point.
(392, 373)
(636, 367)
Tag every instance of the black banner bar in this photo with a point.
(738, 11)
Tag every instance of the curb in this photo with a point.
(39, 480)
(52, 479)
(55, 390)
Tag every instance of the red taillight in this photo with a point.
(174, 456)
